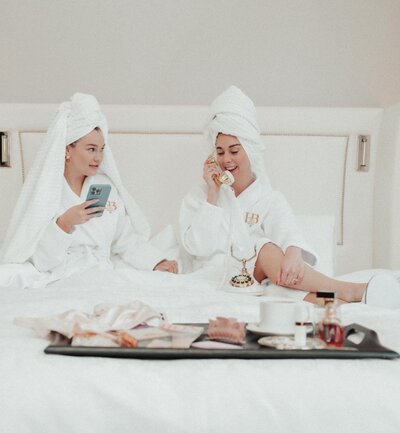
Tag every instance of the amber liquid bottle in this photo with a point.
(329, 328)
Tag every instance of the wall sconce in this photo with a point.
(4, 150)
(364, 145)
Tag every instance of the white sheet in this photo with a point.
(48, 393)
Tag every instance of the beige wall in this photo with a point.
(281, 52)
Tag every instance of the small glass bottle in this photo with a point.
(319, 308)
(329, 327)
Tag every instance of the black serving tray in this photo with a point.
(369, 347)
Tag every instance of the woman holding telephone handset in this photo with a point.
(73, 212)
(245, 232)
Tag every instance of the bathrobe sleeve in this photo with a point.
(200, 224)
(280, 226)
(51, 250)
(133, 248)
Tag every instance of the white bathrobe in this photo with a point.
(208, 231)
(105, 241)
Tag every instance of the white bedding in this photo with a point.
(49, 393)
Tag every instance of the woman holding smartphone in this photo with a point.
(55, 227)
(249, 225)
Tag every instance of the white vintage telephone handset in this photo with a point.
(225, 178)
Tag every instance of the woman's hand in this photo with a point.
(209, 171)
(292, 268)
(167, 266)
(78, 215)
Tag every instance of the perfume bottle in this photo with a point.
(319, 308)
(329, 327)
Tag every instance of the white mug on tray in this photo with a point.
(279, 315)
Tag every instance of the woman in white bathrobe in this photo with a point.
(53, 229)
(220, 225)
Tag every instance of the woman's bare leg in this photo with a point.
(268, 265)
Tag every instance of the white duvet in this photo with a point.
(49, 393)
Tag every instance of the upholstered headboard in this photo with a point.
(311, 157)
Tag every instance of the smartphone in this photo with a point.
(101, 192)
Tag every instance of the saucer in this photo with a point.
(255, 329)
(256, 290)
(288, 343)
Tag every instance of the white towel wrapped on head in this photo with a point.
(233, 113)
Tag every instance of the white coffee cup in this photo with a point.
(278, 316)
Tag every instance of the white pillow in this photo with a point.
(319, 232)
(166, 241)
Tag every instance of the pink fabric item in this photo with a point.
(227, 330)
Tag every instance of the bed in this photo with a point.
(41, 393)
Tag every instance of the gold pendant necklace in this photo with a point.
(244, 279)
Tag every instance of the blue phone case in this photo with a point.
(99, 191)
